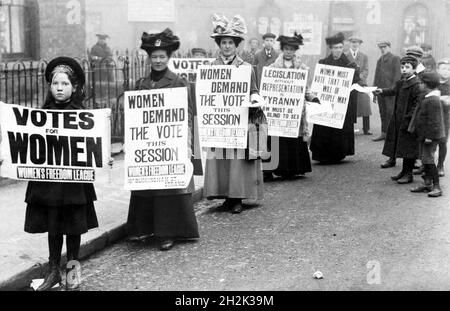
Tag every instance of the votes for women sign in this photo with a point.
(284, 92)
(187, 67)
(221, 92)
(332, 85)
(54, 145)
(156, 140)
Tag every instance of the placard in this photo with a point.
(157, 140)
(332, 85)
(54, 145)
(284, 92)
(221, 92)
(187, 67)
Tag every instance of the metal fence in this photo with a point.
(23, 83)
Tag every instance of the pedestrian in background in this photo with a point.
(386, 74)
(331, 145)
(266, 56)
(101, 55)
(167, 215)
(443, 69)
(428, 125)
(428, 60)
(61, 208)
(227, 176)
(294, 158)
(199, 53)
(401, 143)
(249, 55)
(354, 54)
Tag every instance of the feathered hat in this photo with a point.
(294, 41)
(224, 28)
(165, 40)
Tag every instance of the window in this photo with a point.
(18, 29)
(416, 25)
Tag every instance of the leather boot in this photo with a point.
(406, 179)
(389, 163)
(399, 176)
(380, 138)
(166, 244)
(237, 207)
(53, 277)
(427, 186)
(436, 192)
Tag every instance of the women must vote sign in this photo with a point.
(156, 140)
(54, 145)
(187, 67)
(332, 85)
(284, 92)
(222, 91)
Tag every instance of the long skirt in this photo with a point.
(332, 145)
(233, 178)
(293, 157)
(163, 216)
(67, 219)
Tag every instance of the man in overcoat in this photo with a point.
(101, 53)
(266, 56)
(386, 74)
(355, 55)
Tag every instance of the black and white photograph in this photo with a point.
(224, 151)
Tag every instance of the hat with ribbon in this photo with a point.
(165, 40)
(336, 39)
(224, 28)
(68, 65)
(295, 41)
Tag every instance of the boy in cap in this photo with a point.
(386, 74)
(266, 56)
(443, 70)
(416, 52)
(354, 54)
(249, 55)
(199, 53)
(400, 143)
(427, 59)
(429, 128)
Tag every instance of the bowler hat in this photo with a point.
(336, 39)
(236, 28)
(165, 40)
(65, 61)
(415, 51)
(294, 41)
(355, 39)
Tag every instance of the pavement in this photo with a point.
(24, 257)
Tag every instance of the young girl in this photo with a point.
(61, 208)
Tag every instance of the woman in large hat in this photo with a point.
(165, 214)
(61, 208)
(232, 179)
(294, 158)
(330, 145)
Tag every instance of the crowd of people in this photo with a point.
(412, 95)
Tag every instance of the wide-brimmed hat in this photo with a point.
(296, 40)
(355, 39)
(415, 51)
(384, 43)
(236, 28)
(336, 39)
(69, 62)
(165, 40)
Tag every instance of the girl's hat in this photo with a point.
(336, 39)
(224, 28)
(72, 65)
(294, 41)
(165, 40)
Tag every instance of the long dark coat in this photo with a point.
(60, 208)
(261, 60)
(362, 60)
(164, 213)
(330, 144)
(399, 142)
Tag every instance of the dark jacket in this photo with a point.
(262, 60)
(387, 71)
(445, 91)
(401, 143)
(170, 80)
(429, 63)
(60, 194)
(429, 123)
